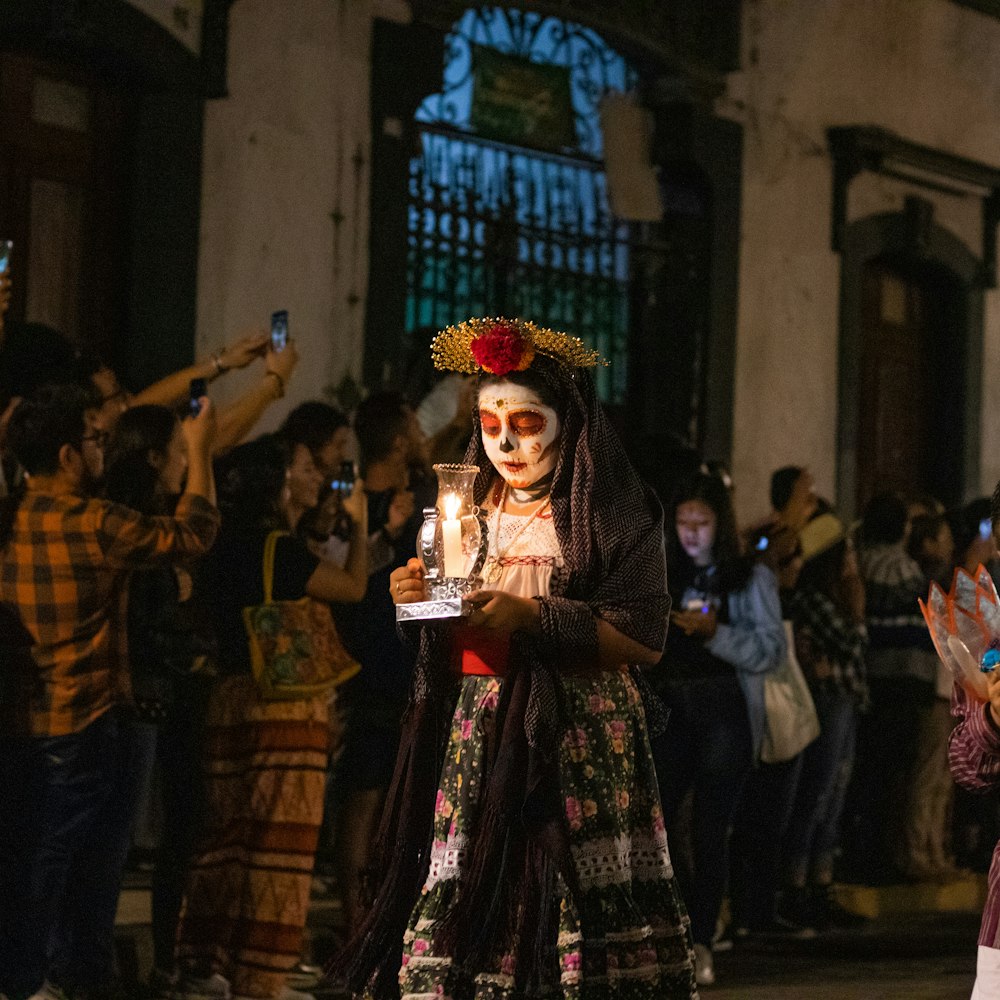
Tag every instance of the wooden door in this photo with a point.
(911, 394)
(63, 156)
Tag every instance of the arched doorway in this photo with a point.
(910, 410)
(910, 353)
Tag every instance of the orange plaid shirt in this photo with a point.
(65, 571)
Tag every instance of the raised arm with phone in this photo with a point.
(199, 432)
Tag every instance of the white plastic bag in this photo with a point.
(792, 723)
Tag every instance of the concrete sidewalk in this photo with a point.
(922, 956)
(920, 944)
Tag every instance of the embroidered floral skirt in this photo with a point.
(627, 936)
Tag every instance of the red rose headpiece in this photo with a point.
(502, 348)
(499, 346)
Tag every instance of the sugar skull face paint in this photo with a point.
(520, 433)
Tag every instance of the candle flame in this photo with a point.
(452, 503)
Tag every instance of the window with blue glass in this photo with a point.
(509, 210)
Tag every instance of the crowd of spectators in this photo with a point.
(132, 538)
(133, 530)
(870, 799)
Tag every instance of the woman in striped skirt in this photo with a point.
(247, 894)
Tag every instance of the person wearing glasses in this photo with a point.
(64, 559)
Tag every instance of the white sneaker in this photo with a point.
(704, 968)
(214, 987)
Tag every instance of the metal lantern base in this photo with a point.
(446, 607)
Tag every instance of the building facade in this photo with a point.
(817, 288)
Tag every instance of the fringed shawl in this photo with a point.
(610, 531)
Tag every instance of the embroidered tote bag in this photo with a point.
(792, 723)
(295, 651)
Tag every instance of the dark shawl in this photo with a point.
(609, 526)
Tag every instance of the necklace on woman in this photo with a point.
(493, 568)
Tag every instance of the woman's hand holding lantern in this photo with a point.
(406, 584)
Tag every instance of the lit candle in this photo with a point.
(452, 536)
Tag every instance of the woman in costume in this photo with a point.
(522, 851)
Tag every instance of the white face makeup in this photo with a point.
(520, 433)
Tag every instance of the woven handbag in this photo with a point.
(295, 651)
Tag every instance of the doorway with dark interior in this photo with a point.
(101, 112)
(63, 197)
(911, 402)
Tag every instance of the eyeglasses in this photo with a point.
(100, 438)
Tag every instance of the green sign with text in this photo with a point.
(521, 102)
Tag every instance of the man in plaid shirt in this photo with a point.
(63, 570)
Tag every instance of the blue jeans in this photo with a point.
(85, 811)
(814, 830)
(706, 749)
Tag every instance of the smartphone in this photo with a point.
(6, 249)
(343, 481)
(198, 389)
(279, 330)
(985, 529)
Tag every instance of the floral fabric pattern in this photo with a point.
(626, 936)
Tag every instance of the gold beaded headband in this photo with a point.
(499, 346)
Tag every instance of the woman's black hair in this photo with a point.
(250, 480)
(732, 566)
(130, 479)
(313, 423)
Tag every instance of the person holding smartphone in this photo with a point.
(79, 712)
(725, 635)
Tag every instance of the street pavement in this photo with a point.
(916, 954)
(925, 956)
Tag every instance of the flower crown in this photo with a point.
(499, 346)
(965, 626)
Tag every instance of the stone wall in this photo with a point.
(925, 69)
(285, 187)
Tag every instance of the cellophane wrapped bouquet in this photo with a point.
(965, 625)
